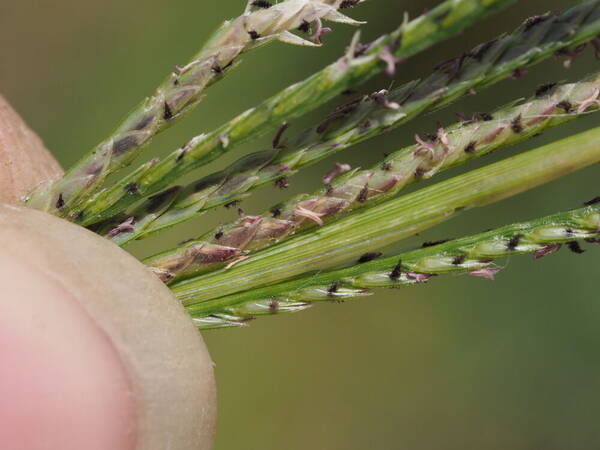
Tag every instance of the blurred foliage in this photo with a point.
(457, 364)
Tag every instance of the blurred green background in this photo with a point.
(460, 363)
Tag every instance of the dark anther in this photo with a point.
(519, 73)
(479, 52)
(433, 138)
(368, 257)
(132, 188)
(218, 235)
(168, 114)
(261, 4)
(143, 123)
(386, 166)
(363, 195)
(156, 201)
(333, 288)
(348, 4)
(180, 155)
(365, 126)
(254, 35)
(565, 105)
(419, 173)
(396, 272)
(305, 27)
(452, 66)
(470, 148)
(79, 215)
(275, 212)
(517, 124)
(60, 202)
(533, 21)
(216, 68)
(569, 232)
(486, 117)
(231, 204)
(513, 243)
(122, 145)
(432, 243)
(277, 142)
(338, 113)
(227, 66)
(458, 260)
(544, 89)
(570, 53)
(463, 117)
(592, 201)
(361, 49)
(282, 183)
(575, 247)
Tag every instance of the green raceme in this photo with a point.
(395, 219)
(474, 255)
(359, 63)
(364, 118)
(181, 91)
(361, 188)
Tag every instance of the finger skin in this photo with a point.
(116, 345)
(95, 352)
(62, 385)
(24, 161)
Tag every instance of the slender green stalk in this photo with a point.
(180, 92)
(358, 65)
(362, 188)
(395, 219)
(474, 255)
(451, 146)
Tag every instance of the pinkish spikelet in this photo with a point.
(123, 227)
(547, 250)
(319, 32)
(390, 60)
(419, 277)
(489, 273)
(314, 216)
(339, 169)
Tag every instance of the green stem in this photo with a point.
(362, 188)
(395, 219)
(181, 91)
(357, 66)
(474, 255)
